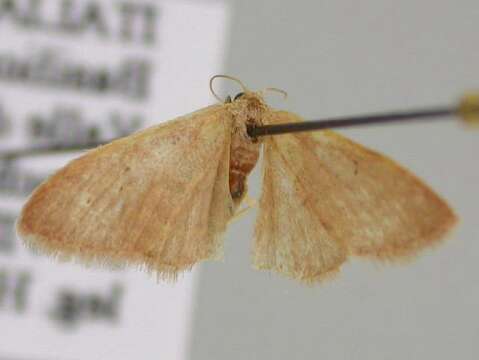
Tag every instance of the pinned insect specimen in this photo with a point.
(162, 197)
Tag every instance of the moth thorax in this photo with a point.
(244, 153)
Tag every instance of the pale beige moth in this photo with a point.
(162, 198)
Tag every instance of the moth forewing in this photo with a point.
(348, 196)
(157, 198)
(392, 214)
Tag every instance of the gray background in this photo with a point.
(340, 58)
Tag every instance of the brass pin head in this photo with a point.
(468, 109)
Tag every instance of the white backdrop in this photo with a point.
(342, 58)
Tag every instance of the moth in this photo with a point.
(163, 197)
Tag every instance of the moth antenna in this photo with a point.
(272, 89)
(468, 108)
(243, 87)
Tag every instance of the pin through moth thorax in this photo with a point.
(247, 109)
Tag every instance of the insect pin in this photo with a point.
(162, 198)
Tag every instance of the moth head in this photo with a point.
(229, 99)
(248, 99)
(251, 98)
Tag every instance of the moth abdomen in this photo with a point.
(243, 158)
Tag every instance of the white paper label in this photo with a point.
(78, 71)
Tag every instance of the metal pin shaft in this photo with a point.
(382, 118)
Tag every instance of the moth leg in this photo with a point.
(250, 204)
